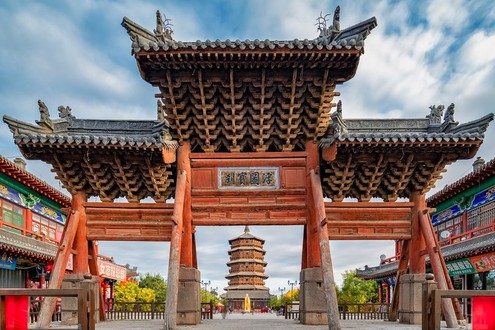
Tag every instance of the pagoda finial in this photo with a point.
(246, 229)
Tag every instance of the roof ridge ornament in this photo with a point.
(332, 31)
(45, 120)
(65, 112)
(163, 29)
(435, 115)
(338, 122)
(448, 119)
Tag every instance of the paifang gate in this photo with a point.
(247, 133)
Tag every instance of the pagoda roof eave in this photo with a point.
(250, 274)
(351, 38)
(397, 156)
(133, 134)
(94, 156)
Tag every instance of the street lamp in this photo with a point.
(292, 289)
(281, 291)
(205, 283)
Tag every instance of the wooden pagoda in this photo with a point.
(247, 273)
(247, 132)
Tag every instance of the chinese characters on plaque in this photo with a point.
(247, 178)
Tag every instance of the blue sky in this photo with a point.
(76, 53)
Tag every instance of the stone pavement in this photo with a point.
(248, 322)
(254, 322)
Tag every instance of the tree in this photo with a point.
(355, 290)
(126, 292)
(155, 282)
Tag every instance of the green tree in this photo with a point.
(126, 292)
(355, 290)
(154, 282)
(147, 296)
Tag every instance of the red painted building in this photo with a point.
(464, 223)
(31, 226)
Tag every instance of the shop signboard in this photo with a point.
(484, 262)
(112, 271)
(8, 261)
(460, 267)
(471, 265)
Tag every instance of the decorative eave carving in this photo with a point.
(91, 133)
(105, 158)
(391, 158)
(251, 95)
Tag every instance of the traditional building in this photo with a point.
(31, 225)
(247, 273)
(252, 136)
(464, 224)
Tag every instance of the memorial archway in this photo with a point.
(247, 133)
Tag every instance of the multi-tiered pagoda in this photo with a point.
(247, 273)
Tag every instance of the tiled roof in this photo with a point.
(33, 182)
(246, 248)
(474, 246)
(96, 133)
(471, 180)
(349, 38)
(252, 260)
(405, 131)
(27, 246)
(257, 274)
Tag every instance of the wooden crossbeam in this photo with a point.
(359, 221)
(121, 221)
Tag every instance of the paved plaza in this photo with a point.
(250, 322)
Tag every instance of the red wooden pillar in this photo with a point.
(304, 258)
(80, 244)
(187, 248)
(417, 247)
(312, 229)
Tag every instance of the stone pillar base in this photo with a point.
(313, 308)
(189, 299)
(69, 304)
(410, 298)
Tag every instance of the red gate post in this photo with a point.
(16, 312)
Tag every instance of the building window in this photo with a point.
(51, 230)
(12, 214)
(480, 217)
(452, 226)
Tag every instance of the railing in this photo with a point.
(348, 311)
(468, 235)
(364, 311)
(207, 310)
(134, 310)
(291, 311)
(431, 303)
(34, 310)
(85, 303)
